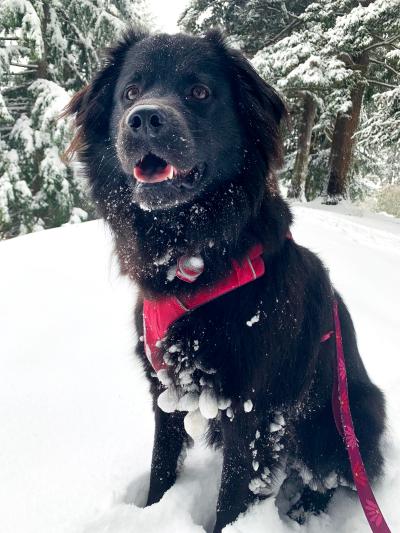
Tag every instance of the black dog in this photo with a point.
(180, 139)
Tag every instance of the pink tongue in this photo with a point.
(155, 177)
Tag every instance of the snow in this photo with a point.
(168, 400)
(189, 402)
(253, 320)
(166, 14)
(208, 403)
(195, 424)
(247, 406)
(76, 423)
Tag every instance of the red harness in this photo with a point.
(158, 315)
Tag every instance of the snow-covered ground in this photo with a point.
(75, 417)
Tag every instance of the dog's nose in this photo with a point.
(146, 119)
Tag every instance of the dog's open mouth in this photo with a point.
(154, 169)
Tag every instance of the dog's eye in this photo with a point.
(200, 92)
(132, 92)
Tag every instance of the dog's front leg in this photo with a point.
(251, 460)
(169, 439)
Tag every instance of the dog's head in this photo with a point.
(169, 117)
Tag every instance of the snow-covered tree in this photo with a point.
(365, 38)
(48, 49)
(333, 61)
(312, 83)
(340, 54)
(251, 24)
(379, 135)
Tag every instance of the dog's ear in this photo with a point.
(257, 90)
(216, 36)
(90, 105)
(261, 108)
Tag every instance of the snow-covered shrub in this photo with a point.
(388, 200)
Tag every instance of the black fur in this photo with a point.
(279, 362)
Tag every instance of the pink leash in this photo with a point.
(345, 427)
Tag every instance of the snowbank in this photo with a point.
(75, 416)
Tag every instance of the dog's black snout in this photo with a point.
(146, 119)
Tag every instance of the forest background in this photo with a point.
(336, 63)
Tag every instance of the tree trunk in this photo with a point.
(303, 146)
(43, 66)
(343, 138)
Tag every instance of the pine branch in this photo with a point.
(384, 64)
(9, 38)
(76, 72)
(15, 87)
(299, 89)
(382, 84)
(18, 101)
(81, 39)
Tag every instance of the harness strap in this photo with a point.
(158, 315)
(345, 427)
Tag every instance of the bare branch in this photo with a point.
(9, 38)
(384, 64)
(382, 84)
(294, 16)
(382, 42)
(284, 12)
(289, 27)
(23, 73)
(23, 66)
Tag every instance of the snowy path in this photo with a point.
(75, 416)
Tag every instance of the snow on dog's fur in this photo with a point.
(180, 139)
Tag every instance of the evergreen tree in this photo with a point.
(48, 49)
(368, 40)
(251, 24)
(378, 138)
(334, 62)
(327, 60)
(312, 82)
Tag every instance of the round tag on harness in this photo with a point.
(189, 268)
